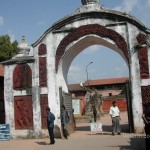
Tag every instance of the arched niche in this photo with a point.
(22, 77)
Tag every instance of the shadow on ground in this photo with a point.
(135, 144)
(42, 143)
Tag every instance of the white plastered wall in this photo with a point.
(59, 79)
(134, 70)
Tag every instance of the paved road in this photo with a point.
(81, 139)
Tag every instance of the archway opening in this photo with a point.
(83, 48)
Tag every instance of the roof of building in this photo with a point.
(76, 87)
(17, 60)
(1, 70)
(107, 81)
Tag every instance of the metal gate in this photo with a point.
(65, 99)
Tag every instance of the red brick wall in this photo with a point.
(121, 103)
(107, 103)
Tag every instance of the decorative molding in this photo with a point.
(90, 29)
(43, 105)
(141, 38)
(143, 55)
(145, 93)
(42, 72)
(22, 77)
(42, 49)
(23, 112)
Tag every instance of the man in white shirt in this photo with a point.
(115, 116)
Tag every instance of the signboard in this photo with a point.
(4, 132)
(76, 106)
(87, 95)
(96, 127)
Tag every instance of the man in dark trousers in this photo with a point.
(115, 116)
(146, 118)
(50, 124)
(64, 121)
(94, 112)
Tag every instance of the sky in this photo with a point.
(32, 18)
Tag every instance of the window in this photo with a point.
(110, 94)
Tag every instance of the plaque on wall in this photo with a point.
(23, 111)
(4, 132)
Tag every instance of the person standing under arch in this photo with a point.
(115, 117)
(64, 121)
(94, 112)
(50, 125)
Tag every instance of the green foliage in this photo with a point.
(7, 49)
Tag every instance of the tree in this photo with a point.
(97, 99)
(7, 48)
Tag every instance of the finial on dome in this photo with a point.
(23, 39)
(86, 2)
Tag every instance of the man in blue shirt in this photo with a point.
(50, 124)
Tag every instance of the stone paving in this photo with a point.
(82, 139)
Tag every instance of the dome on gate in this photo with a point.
(23, 47)
(86, 2)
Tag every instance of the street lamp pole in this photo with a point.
(87, 72)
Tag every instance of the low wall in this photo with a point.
(107, 103)
(121, 103)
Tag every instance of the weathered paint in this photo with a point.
(122, 24)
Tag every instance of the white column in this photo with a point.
(136, 94)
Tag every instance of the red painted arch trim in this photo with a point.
(86, 30)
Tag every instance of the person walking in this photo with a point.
(50, 125)
(64, 121)
(115, 117)
(146, 119)
(74, 121)
(94, 112)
